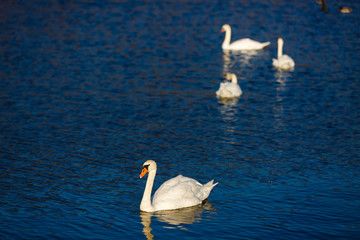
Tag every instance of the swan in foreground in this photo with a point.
(178, 192)
(229, 89)
(283, 62)
(244, 44)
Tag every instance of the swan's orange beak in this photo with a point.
(143, 172)
(222, 30)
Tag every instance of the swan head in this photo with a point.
(148, 166)
(228, 76)
(231, 76)
(225, 27)
(280, 41)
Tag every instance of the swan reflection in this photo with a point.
(227, 104)
(227, 66)
(176, 218)
(229, 109)
(281, 78)
(232, 58)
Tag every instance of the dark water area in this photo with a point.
(89, 90)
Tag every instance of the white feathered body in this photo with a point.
(285, 62)
(229, 90)
(246, 44)
(180, 192)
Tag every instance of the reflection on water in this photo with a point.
(226, 62)
(175, 218)
(228, 108)
(232, 58)
(229, 113)
(228, 103)
(281, 78)
(146, 221)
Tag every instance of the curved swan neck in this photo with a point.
(146, 200)
(280, 48)
(234, 79)
(227, 39)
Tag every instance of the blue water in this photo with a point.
(89, 90)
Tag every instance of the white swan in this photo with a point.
(283, 62)
(244, 44)
(345, 10)
(178, 192)
(229, 89)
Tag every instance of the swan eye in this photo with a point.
(146, 166)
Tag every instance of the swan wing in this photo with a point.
(229, 90)
(175, 188)
(275, 62)
(179, 192)
(285, 62)
(247, 44)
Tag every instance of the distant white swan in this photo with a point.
(178, 192)
(229, 89)
(283, 62)
(345, 10)
(244, 44)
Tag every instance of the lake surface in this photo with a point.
(90, 90)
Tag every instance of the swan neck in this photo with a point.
(146, 200)
(280, 49)
(227, 39)
(234, 79)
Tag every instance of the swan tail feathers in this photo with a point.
(207, 189)
(210, 184)
(265, 44)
